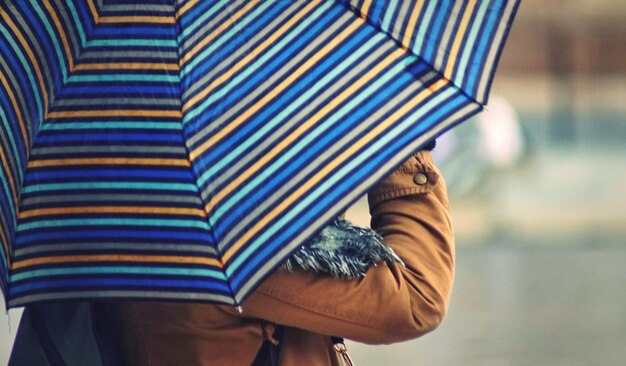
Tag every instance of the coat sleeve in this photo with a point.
(392, 303)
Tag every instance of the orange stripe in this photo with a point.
(16, 107)
(365, 8)
(138, 19)
(127, 19)
(5, 245)
(266, 99)
(31, 56)
(250, 57)
(116, 258)
(108, 161)
(5, 165)
(209, 38)
(327, 168)
(186, 7)
(412, 23)
(454, 50)
(116, 113)
(304, 126)
(57, 23)
(113, 209)
(94, 11)
(127, 66)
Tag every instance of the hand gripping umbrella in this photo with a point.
(175, 149)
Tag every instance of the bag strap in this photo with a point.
(340, 346)
(269, 353)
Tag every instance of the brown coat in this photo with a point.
(391, 303)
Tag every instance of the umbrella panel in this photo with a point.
(182, 150)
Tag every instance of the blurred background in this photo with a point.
(538, 193)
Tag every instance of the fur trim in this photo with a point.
(342, 250)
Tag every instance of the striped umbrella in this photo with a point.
(180, 149)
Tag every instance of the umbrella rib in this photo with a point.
(218, 262)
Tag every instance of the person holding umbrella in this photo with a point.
(294, 317)
(162, 157)
(392, 302)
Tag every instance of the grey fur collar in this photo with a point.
(342, 250)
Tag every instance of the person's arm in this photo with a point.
(392, 303)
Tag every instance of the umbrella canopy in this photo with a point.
(179, 149)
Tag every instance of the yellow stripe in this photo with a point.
(5, 245)
(116, 113)
(113, 209)
(31, 56)
(108, 161)
(57, 23)
(365, 9)
(5, 165)
(18, 113)
(250, 57)
(138, 19)
(94, 11)
(186, 7)
(412, 23)
(129, 18)
(116, 258)
(209, 38)
(304, 127)
(327, 168)
(293, 77)
(127, 66)
(454, 50)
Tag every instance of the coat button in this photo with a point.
(420, 178)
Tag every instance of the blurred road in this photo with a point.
(520, 306)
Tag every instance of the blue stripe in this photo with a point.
(436, 30)
(119, 284)
(261, 67)
(111, 137)
(469, 48)
(54, 38)
(306, 210)
(208, 273)
(109, 186)
(198, 16)
(18, 65)
(482, 51)
(18, 155)
(97, 90)
(68, 223)
(154, 235)
(148, 78)
(422, 39)
(78, 25)
(390, 142)
(229, 41)
(339, 120)
(147, 125)
(267, 120)
(96, 173)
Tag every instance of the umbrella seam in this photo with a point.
(188, 155)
